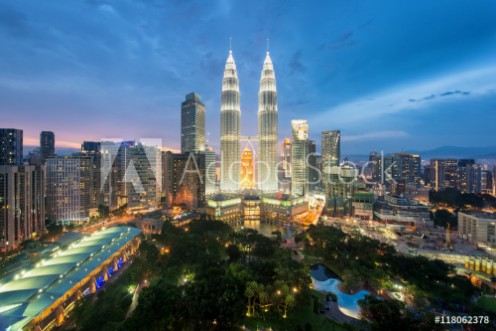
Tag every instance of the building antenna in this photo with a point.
(230, 44)
(267, 45)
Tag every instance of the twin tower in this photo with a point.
(230, 128)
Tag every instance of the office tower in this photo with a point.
(247, 172)
(143, 177)
(11, 146)
(192, 124)
(68, 189)
(122, 160)
(406, 166)
(210, 170)
(494, 181)
(486, 181)
(299, 152)
(22, 204)
(314, 178)
(340, 191)
(469, 176)
(267, 129)
(230, 125)
(47, 144)
(444, 173)
(186, 183)
(331, 153)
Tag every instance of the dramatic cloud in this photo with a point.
(88, 69)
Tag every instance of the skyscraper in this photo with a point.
(22, 204)
(230, 125)
(444, 173)
(331, 153)
(267, 129)
(406, 167)
(192, 124)
(11, 147)
(314, 178)
(299, 152)
(47, 144)
(69, 187)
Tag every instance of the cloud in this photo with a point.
(295, 64)
(374, 135)
(444, 94)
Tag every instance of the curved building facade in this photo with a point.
(230, 126)
(267, 129)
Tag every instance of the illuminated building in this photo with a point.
(331, 153)
(267, 129)
(189, 177)
(363, 203)
(22, 204)
(144, 177)
(230, 126)
(225, 207)
(252, 206)
(47, 145)
(478, 228)
(443, 173)
(247, 175)
(11, 147)
(68, 188)
(40, 297)
(339, 192)
(299, 152)
(469, 176)
(282, 207)
(314, 176)
(401, 211)
(406, 167)
(192, 124)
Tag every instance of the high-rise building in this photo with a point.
(331, 153)
(68, 189)
(187, 179)
(486, 181)
(11, 147)
(406, 166)
(469, 176)
(340, 191)
(47, 145)
(444, 173)
(314, 177)
(230, 126)
(247, 171)
(143, 177)
(192, 124)
(22, 204)
(299, 152)
(267, 129)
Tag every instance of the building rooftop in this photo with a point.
(484, 215)
(25, 295)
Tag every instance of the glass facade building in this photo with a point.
(192, 124)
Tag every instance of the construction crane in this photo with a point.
(449, 244)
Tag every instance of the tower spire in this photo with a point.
(267, 45)
(230, 44)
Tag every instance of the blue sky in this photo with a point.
(391, 75)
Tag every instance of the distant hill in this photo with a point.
(458, 152)
(478, 153)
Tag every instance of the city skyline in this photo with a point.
(408, 86)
